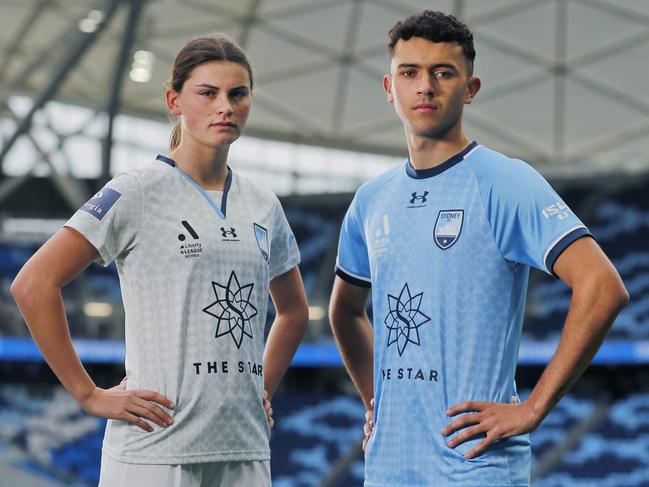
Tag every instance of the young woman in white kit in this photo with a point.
(198, 249)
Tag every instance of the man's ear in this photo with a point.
(387, 86)
(473, 87)
(172, 98)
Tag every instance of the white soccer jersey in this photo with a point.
(194, 275)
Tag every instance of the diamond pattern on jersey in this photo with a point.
(471, 296)
(216, 384)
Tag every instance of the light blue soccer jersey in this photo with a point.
(447, 253)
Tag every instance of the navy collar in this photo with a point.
(440, 168)
(226, 187)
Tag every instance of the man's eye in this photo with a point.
(443, 74)
(207, 93)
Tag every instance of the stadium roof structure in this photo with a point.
(564, 81)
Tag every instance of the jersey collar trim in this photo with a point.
(447, 164)
(221, 212)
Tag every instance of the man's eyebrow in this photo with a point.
(409, 65)
(434, 66)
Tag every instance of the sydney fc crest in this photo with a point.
(261, 235)
(448, 228)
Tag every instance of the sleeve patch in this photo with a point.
(100, 203)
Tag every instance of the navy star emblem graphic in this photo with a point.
(232, 309)
(404, 319)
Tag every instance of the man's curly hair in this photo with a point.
(436, 27)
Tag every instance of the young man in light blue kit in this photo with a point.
(445, 242)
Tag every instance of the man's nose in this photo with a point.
(426, 86)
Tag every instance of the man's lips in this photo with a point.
(425, 107)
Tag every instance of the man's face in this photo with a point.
(429, 84)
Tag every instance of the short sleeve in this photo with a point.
(352, 263)
(531, 224)
(284, 253)
(111, 220)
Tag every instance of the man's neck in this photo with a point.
(426, 152)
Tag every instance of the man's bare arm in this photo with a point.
(353, 333)
(598, 295)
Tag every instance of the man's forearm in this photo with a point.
(356, 345)
(593, 309)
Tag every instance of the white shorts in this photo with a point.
(215, 474)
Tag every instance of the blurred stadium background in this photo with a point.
(565, 87)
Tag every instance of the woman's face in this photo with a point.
(213, 104)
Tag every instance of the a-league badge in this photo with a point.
(448, 228)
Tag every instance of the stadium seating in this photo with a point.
(44, 431)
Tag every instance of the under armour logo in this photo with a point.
(228, 233)
(416, 197)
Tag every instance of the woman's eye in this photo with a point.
(207, 93)
(238, 95)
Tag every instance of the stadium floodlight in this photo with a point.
(91, 22)
(98, 309)
(316, 313)
(142, 66)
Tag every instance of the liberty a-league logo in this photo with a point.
(448, 228)
(189, 248)
(404, 319)
(232, 309)
(261, 235)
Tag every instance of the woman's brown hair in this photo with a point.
(215, 47)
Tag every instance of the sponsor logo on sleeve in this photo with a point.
(559, 210)
(100, 203)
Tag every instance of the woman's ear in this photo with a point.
(172, 98)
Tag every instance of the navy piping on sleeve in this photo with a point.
(351, 279)
(562, 245)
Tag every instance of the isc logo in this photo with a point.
(559, 209)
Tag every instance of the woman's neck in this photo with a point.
(206, 166)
